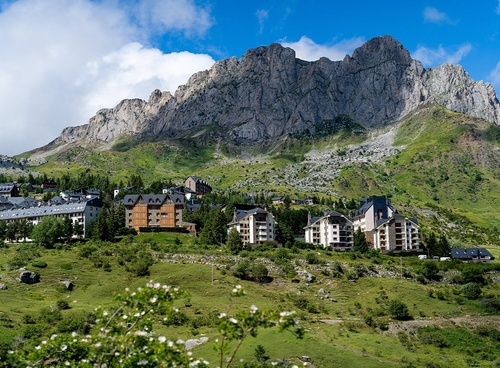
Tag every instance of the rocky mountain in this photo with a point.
(269, 94)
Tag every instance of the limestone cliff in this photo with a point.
(269, 94)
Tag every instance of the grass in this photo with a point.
(350, 342)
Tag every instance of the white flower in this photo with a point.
(179, 342)
(156, 285)
(153, 300)
(222, 315)
(74, 334)
(44, 342)
(253, 309)
(142, 362)
(97, 344)
(162, 339)
(64, 347)
(141, 333)
(286, 314)
(233, 320)
(38, 347)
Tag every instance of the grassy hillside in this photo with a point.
(446, 171)
(345, 311)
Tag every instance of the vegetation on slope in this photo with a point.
(355, 312)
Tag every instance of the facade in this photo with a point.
(83, 212)
(200, 187)
(255, 225)
(153, 210)
(385, 229)
(9, 190)
(333, 230)
(396, 234)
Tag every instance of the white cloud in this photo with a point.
(262, 16)
(62, 60)
(495, 77)
(432, 57)
(432, 15)
(307, 49)
(174, 15)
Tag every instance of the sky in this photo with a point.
(63, 60)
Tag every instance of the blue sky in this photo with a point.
(62, 60)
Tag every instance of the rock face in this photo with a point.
(269, 94)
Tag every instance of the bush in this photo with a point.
(399, 310)
(471, 290)
(39, 264)
(62, 305)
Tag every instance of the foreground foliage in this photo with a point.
(126, 337)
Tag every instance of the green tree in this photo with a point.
(102, 229)
(234, 243)
(214, 231)
(3, 230)
(48, 231)
(429, 270)
(67, 228)
(360, 243)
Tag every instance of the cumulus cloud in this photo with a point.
(432, 57)
(307, 49)
(62, 60)
(432, 15)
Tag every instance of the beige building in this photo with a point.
(255, 226)
(396, 234)
(200, 187)
(333, 230)
(385, 229)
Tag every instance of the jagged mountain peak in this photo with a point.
(268, 94)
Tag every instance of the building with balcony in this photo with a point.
(385, 229)
(153, 210)
(396, 234)
(255, 225)
(81, 212)
(333, 230)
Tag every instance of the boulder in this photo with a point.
(29, 277)
(3, 287)
(69, 285)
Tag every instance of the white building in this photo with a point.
(333, 230)
(255, 225)
(385, 229)
(82, 212)
(396, 234)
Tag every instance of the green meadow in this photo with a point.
(345, 313)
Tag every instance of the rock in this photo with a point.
(269, 94)
(29, 277)
(3, 287)
(307, 276)
(69, 285)
(192, 343)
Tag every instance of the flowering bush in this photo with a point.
(124, 337)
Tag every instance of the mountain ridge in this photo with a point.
(269, 94)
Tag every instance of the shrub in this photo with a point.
(471, 290)
(39, 264)
(62, 305)
(399, 310)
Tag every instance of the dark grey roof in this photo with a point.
(47, 210)
(241, 214)
(470, 253)
(131, 199)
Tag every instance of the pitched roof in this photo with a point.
(471, 253)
